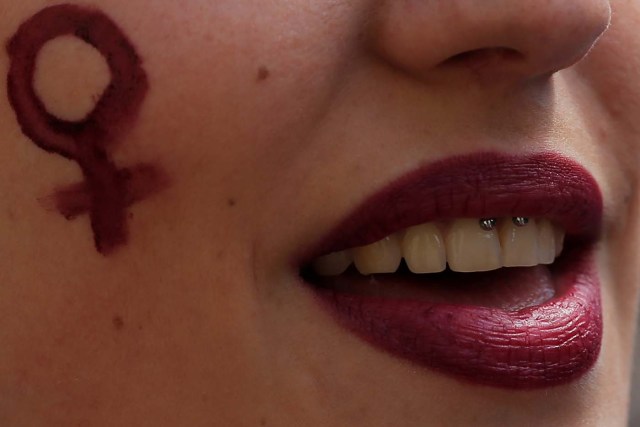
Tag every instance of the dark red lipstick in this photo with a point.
(546, 344)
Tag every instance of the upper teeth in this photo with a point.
(465, 245)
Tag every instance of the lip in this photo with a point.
(545, 345)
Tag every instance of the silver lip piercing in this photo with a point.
(520, 221)
(488, 224)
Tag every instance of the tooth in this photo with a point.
(546, 242)
(423, 249)
(470, 248)
(383, 256)
(332, 264)
(519, 244)
(559, 235)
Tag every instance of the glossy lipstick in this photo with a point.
(545, 345)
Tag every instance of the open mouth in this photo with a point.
(463, 267)
(436, 262)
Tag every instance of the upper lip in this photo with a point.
(488, 184)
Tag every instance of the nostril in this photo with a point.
(506, 43)
(481, 58)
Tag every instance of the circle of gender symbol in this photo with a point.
(106, 191)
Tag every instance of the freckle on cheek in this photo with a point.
(118, 323)
(107, 191)
(263, 74)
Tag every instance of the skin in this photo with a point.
(273, 123)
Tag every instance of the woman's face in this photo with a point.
(274, 123)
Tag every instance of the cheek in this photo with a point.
(611, 69)
(235, 84)
(613, 106)
(612, 102)
(233, 104)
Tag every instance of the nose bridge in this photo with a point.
(545, 35)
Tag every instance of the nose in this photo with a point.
(517, 38)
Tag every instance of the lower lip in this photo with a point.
(542, 346)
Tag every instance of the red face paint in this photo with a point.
(106, 191)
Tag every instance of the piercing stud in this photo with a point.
(488, 224)
(520, 221)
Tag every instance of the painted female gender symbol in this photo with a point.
(106, 191)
